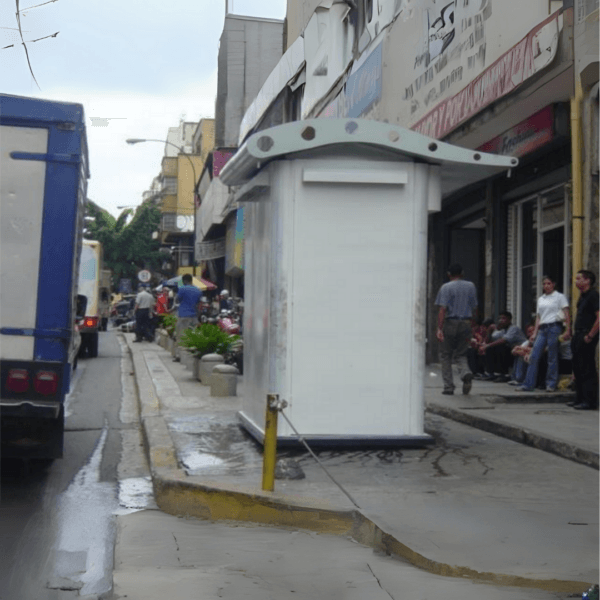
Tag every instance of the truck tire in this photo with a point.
(93, 345)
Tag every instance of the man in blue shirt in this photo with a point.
(457, 300)
(188, 297)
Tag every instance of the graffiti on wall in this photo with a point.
(532, 54)
(452, 43)
(441, 29)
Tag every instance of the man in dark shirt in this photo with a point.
(584, 342)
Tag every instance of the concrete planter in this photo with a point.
(169, 344)
(163, 336)
(207, 363)
(187, 358)
(223, 381)
(196, 369)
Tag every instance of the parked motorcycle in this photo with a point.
(122, 312)
(235, 356)
(230, 323)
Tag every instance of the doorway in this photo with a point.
(538, 243)
(467, 248)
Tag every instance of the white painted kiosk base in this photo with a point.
(335, 237)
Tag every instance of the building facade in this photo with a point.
(456, 71)
(183, 161)
(249, 50)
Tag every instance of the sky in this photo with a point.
(143, 64)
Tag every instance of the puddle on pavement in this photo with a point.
(135, 493)
(214, 446)
(195, 461)
(218, 445)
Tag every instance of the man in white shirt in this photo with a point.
(144, 302)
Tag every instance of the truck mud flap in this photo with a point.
(33, 438)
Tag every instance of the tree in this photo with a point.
(128, 247)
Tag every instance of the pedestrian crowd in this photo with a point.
(551, 347)
(186, 302)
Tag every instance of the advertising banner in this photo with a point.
(210, 250)
(532, 54)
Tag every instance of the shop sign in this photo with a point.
(525, 137)
(532, 54)
(363, 87)
(210, 250)
(185, 223)
(234, 259)
(144, 276)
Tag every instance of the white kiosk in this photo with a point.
(335, 240)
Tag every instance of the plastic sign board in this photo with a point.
(144, 276)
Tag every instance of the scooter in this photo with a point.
(230, 324)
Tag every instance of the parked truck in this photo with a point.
(89, 286)
(105, 297)
(43, 183)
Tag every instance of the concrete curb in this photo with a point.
(518, 434)
(175, 494)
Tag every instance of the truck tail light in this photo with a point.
(90, 322)
(46, 382)
(17, 380)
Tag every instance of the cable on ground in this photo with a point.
(303, 441)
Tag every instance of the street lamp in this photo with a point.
(133, 141)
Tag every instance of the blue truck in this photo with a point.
(43, 184)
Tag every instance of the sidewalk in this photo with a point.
(473, 505)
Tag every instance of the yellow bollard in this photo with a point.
(270, 444)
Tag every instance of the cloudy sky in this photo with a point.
(145, 64)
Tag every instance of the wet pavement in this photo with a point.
(507, 494)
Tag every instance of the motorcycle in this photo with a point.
(122, 312)
(230, 323)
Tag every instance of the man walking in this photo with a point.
(188, 297)
(143, 305)
(457, 300)
(584, 342)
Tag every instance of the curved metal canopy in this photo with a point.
(460, 166)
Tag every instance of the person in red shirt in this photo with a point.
(162, 301)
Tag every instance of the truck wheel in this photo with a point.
(93, 345)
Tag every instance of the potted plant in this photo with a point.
(206, 339)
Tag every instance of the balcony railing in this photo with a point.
(169, 185)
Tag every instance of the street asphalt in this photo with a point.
(506, 496)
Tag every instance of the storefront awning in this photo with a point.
(286, 70)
